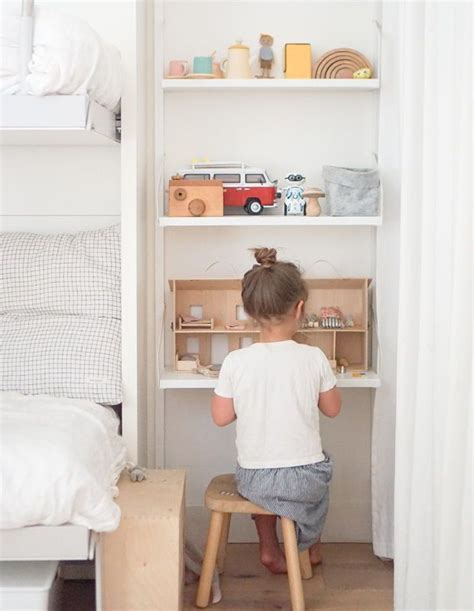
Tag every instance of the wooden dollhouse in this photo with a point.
(219, 301)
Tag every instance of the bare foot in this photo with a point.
(274, 561)
(315, 555)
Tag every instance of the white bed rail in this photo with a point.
(26, 39)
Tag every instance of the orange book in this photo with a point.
(298, 60)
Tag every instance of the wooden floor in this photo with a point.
(351, 578)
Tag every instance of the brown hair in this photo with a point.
(271, 287)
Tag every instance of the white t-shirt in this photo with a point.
(275, 388)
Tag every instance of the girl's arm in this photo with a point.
(222, 410)
(329, 402)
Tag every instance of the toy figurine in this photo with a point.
(266, 55)
(294, 203)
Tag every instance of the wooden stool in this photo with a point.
(223, 500)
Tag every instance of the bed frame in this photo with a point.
(43, 543)
(137, 215)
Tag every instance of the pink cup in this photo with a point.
(178, 68)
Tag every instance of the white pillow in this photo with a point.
(63, 356)
(75, 274)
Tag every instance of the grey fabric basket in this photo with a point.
(351, 191)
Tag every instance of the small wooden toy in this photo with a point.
(298, 60)
(190, 363)
(238, 325)
(341, 63)
(313, 194)
(186, 362)
(195, 197)
(266, 55)
(190, 322)
(310, 322)
(363, 73)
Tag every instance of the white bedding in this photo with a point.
(69, 57)
(60, 460)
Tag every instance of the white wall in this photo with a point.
(282, 132)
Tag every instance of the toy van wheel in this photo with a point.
(253, 206)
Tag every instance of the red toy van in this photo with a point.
(244, 186)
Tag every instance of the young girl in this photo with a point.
(273, 389)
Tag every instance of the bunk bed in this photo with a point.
(60, 382)
(27, 119)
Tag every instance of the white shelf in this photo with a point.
(269, 221)
(170, 379)
(271, 84)
(54, 137)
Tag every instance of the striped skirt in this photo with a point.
(299, 493)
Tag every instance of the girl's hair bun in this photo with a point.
(266, 257)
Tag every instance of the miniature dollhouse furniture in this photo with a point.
(220, 300)
(223, 500)
(142, 561)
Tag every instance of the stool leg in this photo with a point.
(305, 565)
(223, 543)
(293, 564)
(209, 562)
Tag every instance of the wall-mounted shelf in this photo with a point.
(173, 380)
(271, 84)
(270, 221)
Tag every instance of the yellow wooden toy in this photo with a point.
(363, 73)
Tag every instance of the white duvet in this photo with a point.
(69, 57)
(60, 460)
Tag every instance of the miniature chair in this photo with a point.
(223, 500)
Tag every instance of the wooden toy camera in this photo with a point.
(195, 197)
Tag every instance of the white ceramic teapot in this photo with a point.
(237, 64)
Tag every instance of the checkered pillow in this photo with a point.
(74, 274)
(63, 356)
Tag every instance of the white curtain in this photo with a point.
(433, 452)
(386, 291)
